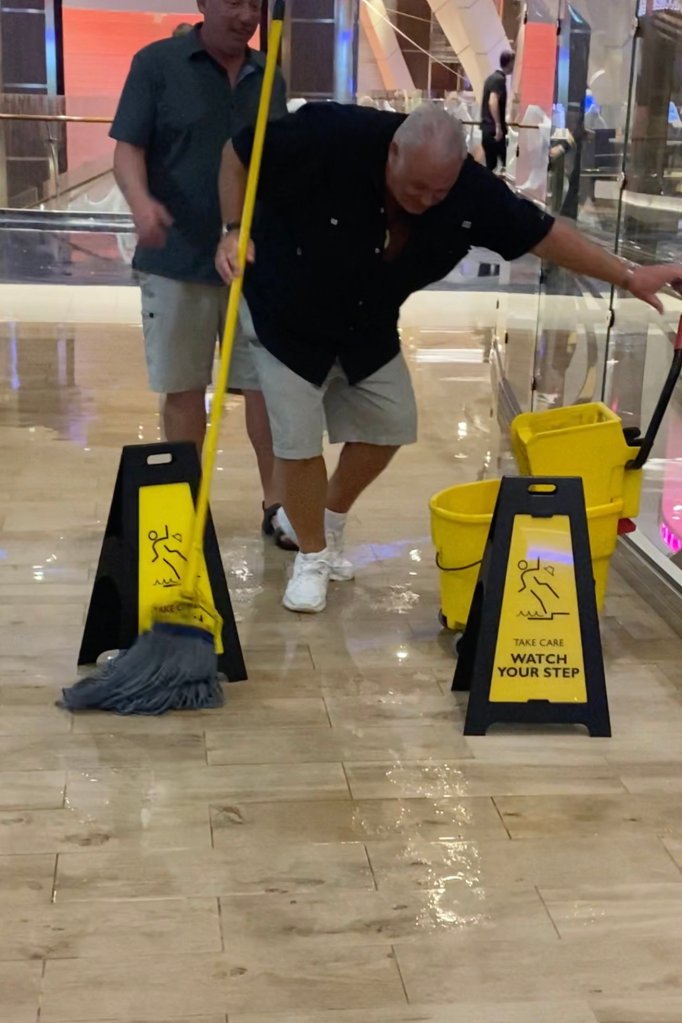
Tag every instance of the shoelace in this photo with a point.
(309, 568)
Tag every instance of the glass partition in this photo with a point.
(615, 169)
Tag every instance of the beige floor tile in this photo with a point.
(370, 820)
(541, 747)
(111, 929)
(19, 992)
(395, 655)
(645, 1009)
(241, 710)
(408, 739)
(174, 986)
(146, 827)
(207, 873)
(213, 1018)
(262, 924)
(26, 880)
(553, 863)
(32, 790)
(26, 720)
(436, 969)
(272, 684)
(674, 847)
(285, 658)
(651, 778)
(96, 790)
(628, 910)
(56, 752)
(451, 778)
(457, 1012)
(603, 816)
(357, 712)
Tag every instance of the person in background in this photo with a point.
(494, 113)
(358, 209)
(184, 97)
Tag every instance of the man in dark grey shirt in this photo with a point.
(183, 99)
(494, 113)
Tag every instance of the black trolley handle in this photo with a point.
(661, 405)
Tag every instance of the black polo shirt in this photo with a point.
(178, 105)
(494, 83)
(321, 289)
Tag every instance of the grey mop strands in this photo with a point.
(156, 675)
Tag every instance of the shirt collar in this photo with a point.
(194, 45)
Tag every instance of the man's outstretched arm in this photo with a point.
(566, 247)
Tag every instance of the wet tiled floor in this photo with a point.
(328, 847)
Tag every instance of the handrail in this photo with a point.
(74, 119)
(58, 118)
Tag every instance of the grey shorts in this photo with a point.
(182, 323)
(379, 410)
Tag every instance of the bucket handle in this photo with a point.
(647, 442)
(461, 568)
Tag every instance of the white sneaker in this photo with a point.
(307, 589)
(341, 570)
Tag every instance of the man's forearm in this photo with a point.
(569, 249)
(231, 185)
(130, 172)
(494, 107)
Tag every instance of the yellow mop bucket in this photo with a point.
(460, 523)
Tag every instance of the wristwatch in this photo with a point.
(232, 225)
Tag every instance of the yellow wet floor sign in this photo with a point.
(144, 551)
(532, 648)
(539, 653)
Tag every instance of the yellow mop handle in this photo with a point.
(232, 318)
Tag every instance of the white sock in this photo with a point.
(285, 525)
(314, 555)
(335, 521)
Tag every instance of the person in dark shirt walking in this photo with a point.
(358, 209)
(494, 113)
(183, 98)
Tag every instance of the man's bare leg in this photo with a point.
(184, 417)
(258, 429)
(359, 465)
(302, 484)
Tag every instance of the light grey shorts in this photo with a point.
(182, 324)
(379, 410)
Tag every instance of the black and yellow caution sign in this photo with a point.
(532, 649)
(145, 549)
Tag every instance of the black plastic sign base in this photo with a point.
(135, 557)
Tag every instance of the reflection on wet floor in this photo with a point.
(328, 845)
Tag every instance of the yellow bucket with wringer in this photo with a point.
(579, 440)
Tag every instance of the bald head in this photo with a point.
(425, 158)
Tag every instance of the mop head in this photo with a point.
(172, 667)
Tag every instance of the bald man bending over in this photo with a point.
(360, 208)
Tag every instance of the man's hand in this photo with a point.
(152, 221)
(227, 257)
(646, 281)
(499, 134)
